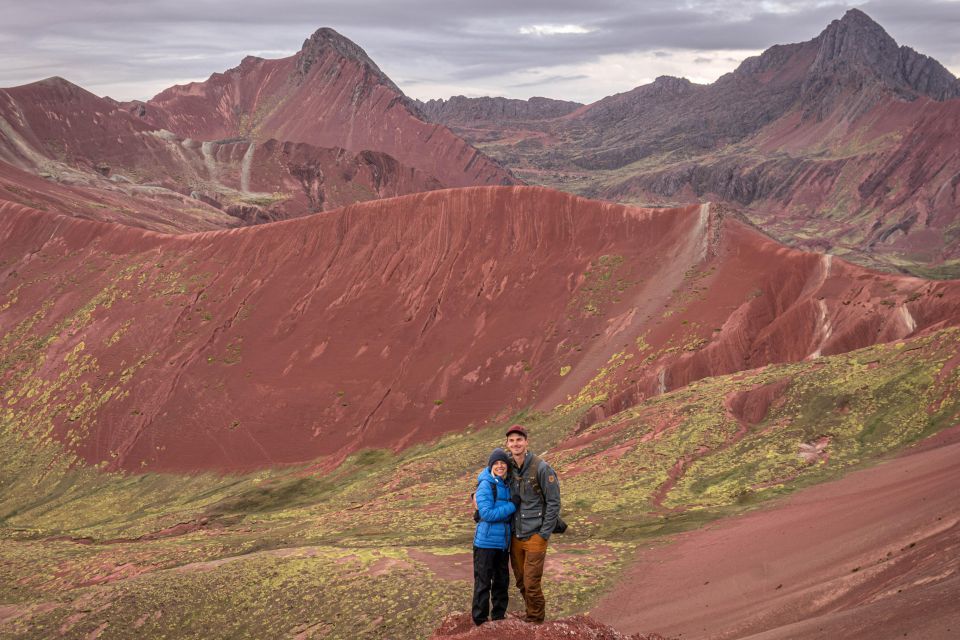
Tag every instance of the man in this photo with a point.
(539, 490)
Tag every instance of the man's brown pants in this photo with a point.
(526, 558)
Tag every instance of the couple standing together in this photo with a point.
(518, 506)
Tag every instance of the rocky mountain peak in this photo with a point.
(855, 40)
(494, 109)
(57, 89)
(671, 83)
(326, 40)
(662, 87)
(857, 49)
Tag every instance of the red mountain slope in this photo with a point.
(329, 94)
(392, 321)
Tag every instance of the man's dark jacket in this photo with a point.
(538, 510)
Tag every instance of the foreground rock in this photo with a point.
(461, 627)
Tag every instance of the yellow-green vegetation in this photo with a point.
(862, 404)
(603, 282)
(51, 383)
(599, 387)
(378, 545)
(262, 199)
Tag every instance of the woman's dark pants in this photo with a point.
(491, 580)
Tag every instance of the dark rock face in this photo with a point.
(250, 214)
(460, 109)
(858, 44)
(324, 39)
(856, 54)
(675, 115)
(729, 179)
(852, 65)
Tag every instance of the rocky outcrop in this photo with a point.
(733, 179)
(463, 110)
(856, 56)
(856, 46)
(461, 627)
(851, 66)
(323, 40)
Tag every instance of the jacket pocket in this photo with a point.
(530, 521)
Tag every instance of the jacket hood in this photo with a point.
(486, 476)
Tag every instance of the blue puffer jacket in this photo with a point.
(496, 511)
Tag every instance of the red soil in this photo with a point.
(158, 212)
(101, 162)
(895, 164)
(874, 555)
(752, 405)
(393, 321)
(55, 118)
(461, 627)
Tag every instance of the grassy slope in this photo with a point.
(347, 552)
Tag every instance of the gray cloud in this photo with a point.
(539, 82)
(133, 46)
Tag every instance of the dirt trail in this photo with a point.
(873, 555)
(665, 275)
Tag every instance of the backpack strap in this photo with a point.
(534, 464)
(493, 488)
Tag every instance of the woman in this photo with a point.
(491, 544)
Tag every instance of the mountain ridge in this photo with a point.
(804, 138)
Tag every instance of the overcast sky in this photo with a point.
(579, 50)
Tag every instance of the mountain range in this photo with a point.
(844, 143)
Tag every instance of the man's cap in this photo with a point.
(518, 429)
(498, 455)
